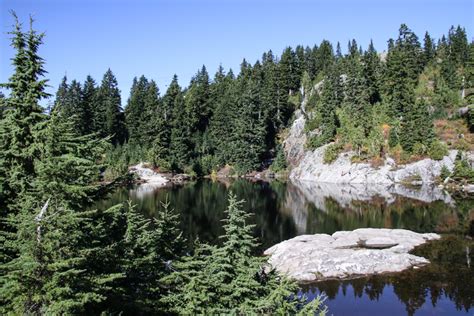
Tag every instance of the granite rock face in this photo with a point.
(147, 174)
(347, 254)
(308, 165)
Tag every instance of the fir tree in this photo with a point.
(110, 121)
(229, 279)
(18, 149)
(428, 49)
(180, 141)
(135, 109)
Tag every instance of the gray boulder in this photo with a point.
(347, 254)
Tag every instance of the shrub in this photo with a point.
(208, 164)
(331, 152)
(420, 149)
(438, 150)
(462, 170)
(279, 163)
(444, 172)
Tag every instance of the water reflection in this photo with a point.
(442, 288)
(284, 210)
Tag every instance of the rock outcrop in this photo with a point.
(347, 254)
(147, 175)
(308, 165)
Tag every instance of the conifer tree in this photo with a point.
(180, 140)
(248, 137)
(229, 279)
(225, 112)
(417, 127)
(89, 100)
(135, 109)
(18, 149)
(110, 120)
(428, 49)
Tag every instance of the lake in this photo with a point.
(283, 210)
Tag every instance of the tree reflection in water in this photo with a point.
(284, 210)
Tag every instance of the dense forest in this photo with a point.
(60, 256)
(374, 103)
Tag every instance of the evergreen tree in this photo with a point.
(90, 106)
(110, 120)
(18, 149)
(135, 109)
(229, 279)
(248, 137)
(417, 127)
(290, 71)
(402, 71)
(180, 141)
(68, 163)
(371, 71)
(428, 49)
(326, 119)
(225, 112)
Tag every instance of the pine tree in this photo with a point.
(428, 49)
(68, 163)
(135, 109)
(290, 71)
(61, 94)
(403, 68)
(225, 112)
(110, 121)
(229, 279)
(326, 119)
(417, 127)
(248, 137)
(18, 149)
(372, 71)
(180, 141)
(90, 106)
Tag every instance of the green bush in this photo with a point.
(420, 149)
(438, 150)
(462, 170)
(331, 152)
(208, 164)
(279, 163)
(444, 172)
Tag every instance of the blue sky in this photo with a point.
(161, 38)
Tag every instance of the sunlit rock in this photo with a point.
(347, 254)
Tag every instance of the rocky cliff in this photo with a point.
(308, 165)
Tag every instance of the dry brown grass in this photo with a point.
(455, 134)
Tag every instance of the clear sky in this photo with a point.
(160, 38)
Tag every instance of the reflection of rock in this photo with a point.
(145, 189)
(347, 194)
(296, 206)
(346, 254)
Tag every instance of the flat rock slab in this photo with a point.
(347, 254)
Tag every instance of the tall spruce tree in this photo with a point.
(135, 109)
(18, 149)
(229, 279)
(110, 120)
(180, 142)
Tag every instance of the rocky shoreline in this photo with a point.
(308, 165)
(347, 254)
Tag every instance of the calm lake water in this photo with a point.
(284, 210)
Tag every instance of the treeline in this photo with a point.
(373, 102)
(386, 103)
(59, 256)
